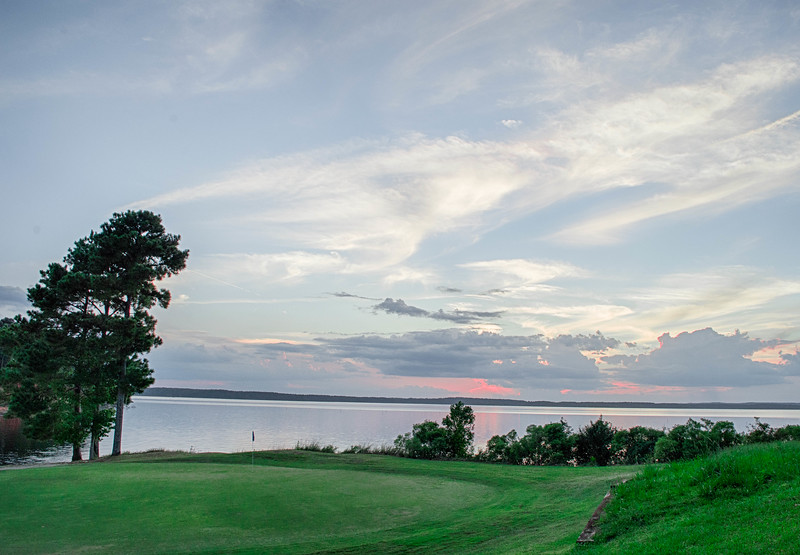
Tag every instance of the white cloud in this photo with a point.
(405, 274)
(374, 205)
(286, 266)
(719, 297)
(518, 272)
(648, 44)
(555, 319)
(695, 138)
(703, 358)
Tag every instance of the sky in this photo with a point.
(537, 200)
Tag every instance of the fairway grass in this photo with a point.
(296, 502)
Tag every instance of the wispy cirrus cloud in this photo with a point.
(374, 204)
(718, 297)
(702, 140)
(517, 272)
(207, 50)
(346, 295)
(378, 202)
(237, 268)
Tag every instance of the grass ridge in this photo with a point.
(741, 500)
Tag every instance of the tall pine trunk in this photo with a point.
(116, 449)
(76, 445)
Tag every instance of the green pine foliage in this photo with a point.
(79, 349)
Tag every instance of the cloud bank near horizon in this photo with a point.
(454, 360)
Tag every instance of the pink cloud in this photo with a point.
(773, 354)
(630, 388)
(484, 388)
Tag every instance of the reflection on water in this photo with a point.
(226, 425)
(16, 448)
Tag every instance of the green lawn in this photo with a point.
(296, 502)
(742, 500)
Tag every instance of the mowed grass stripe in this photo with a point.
(188, 507)
(291, 502)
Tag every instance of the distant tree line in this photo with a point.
(70, 366)
(598, 443)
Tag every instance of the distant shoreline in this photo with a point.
(273, 396)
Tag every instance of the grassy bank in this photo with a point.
(296, 502)
(742, 500)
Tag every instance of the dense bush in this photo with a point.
(787, 433)
(551, 444)
(635, 446)
(696, 439)
(593, 443)
(428, 440)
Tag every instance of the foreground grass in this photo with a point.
(296, 502)
(743, 500)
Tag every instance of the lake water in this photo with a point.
(227, 425)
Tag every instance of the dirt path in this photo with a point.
(587, 536)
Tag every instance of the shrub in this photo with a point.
(428, 440)
(459, 428)
(593, 443)
(760, 432)
(551, 444)
(787, 433)
(635, 446)
(666, 450)
(498, 448)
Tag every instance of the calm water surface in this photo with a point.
(227, 425)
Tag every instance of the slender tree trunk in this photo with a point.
(94, 447)
(76, 446)
(116, 448)
(94, 438)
